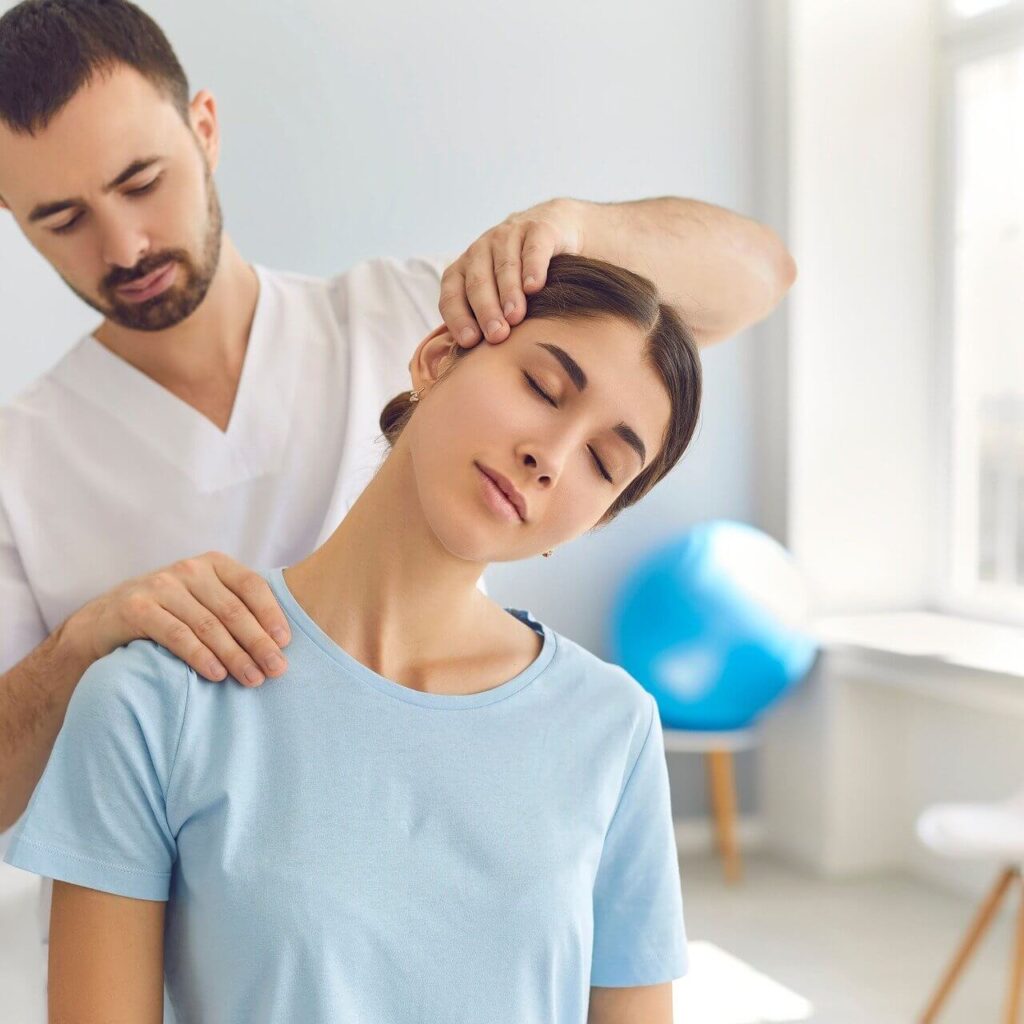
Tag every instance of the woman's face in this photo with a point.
(486, 413)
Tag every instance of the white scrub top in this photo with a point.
(105, 474)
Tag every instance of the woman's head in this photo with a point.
(623, 378)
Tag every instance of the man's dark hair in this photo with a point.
(49, 49)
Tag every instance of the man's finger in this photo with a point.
(508, 274)
(236, 595)
(257, 594)
(229, 602)
(454, 308)
(170, 632)
(538, 248)
(197, 620)
(482, 292)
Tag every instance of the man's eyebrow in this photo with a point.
(579, 380)
(44, 210)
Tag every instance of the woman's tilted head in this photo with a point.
(590, 402)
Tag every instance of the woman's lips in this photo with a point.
(495, 498)
(153, 284)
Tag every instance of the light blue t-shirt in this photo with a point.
(337, 847)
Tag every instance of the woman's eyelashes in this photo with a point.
(547, 398)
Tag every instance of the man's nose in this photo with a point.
(123, 244)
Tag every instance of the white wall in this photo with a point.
(351, 130)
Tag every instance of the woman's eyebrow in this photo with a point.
(580, 382)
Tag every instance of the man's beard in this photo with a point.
(179, 301)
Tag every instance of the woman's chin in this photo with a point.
(473, 539)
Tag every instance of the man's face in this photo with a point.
(117, 194)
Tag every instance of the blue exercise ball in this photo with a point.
(715, 624)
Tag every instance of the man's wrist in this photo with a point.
(72, 645)
(566, 213)
(596, 227)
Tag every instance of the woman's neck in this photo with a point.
(385, 589)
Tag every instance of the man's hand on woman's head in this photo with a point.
(484, 291)
(210, 611)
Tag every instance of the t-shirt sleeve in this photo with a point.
(22, 628)
(98, 817)
(419, 278)
(21, 623)
(639, 935)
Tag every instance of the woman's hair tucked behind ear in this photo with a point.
(581, 288)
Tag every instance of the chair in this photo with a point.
(718, 748)
(992, 831)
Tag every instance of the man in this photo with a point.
(222, 407)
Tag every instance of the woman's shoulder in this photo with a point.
(602, 683)
(141, 676)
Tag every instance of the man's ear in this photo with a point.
(425, 366)
(202, 113)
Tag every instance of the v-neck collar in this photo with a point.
(257, 430)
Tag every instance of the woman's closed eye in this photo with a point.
(547, 398)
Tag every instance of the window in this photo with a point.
(972, 8)
(981, 300)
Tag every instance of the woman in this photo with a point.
(444, 812)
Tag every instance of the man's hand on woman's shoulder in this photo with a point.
(211, 611)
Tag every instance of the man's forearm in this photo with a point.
(34, 696)
(721, 270)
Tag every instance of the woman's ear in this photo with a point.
(428, 361)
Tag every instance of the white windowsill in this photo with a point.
(968, 643)
(945, 657)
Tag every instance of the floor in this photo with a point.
(868, 951)
(780, 948)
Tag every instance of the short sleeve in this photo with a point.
(98, 816)
(22, 628)
(419, 278)
(639, 935)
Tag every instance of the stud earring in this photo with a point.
(414, 396)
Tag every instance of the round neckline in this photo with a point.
(446, 701)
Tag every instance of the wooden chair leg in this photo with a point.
(723, 802)
(1017, 966)
(981, 921)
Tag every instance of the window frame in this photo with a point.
(961, 40)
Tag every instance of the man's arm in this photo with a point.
(106, 961)
(211, 611)
(34, 697)
(722, 271)
(639, 1004)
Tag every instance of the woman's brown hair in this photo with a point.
(581, 288)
